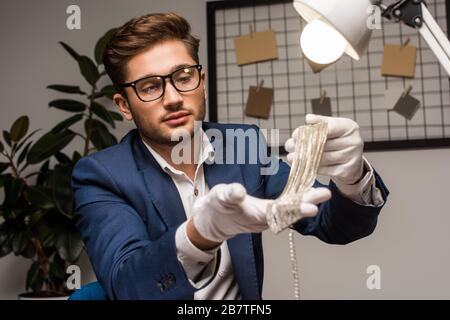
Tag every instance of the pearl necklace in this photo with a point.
(285, 210)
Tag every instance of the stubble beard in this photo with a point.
(154, 134)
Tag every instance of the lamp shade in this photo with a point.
(348, 17)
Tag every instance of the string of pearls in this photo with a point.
(294, 265)
(285, 210)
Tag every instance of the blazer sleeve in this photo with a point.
(340, 220)
(127, 263)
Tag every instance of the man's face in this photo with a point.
(175, 111)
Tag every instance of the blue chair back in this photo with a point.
(90, 291)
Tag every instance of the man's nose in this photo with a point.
(171, 96)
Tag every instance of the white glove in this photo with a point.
(342, 159)
(227, 210)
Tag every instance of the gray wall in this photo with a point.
(409, 244)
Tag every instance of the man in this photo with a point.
(158, 228)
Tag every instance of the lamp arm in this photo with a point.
(415, 14)
(407, 11)
(435, 38)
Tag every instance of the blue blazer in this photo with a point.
(128, 209)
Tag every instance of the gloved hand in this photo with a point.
(342, 158)
(227, 210)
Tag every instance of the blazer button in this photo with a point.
(195, 192)
(166, 282)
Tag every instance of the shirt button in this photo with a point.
(195, 192)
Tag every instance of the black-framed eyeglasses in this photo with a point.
(153, 87)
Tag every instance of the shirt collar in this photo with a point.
(206, 153)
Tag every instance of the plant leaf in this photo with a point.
(49, 239)
(66, 88)
(72, 52)
(62, 158)
(19, 242)
(43, 173)
(3, 166)
(24, 153)
(35, 218)
(116, 116)
(88, 69)
(5, 247)
(48, 145)
(29, 250)
(19, 128)
(108, 91)
(32, 275)
(61, 189)
(4, 233)
(39, 196)
(65, 124)
(13, 189)
(57, 269)
(101, 45)
(26, 139)
(68, 105)
(7, 137)
(76, 156)
(102, 113)
(102, 139)
(69, 245)
(93, 124)
(100, 136)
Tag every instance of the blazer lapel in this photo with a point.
(241, 246)
(162, 191)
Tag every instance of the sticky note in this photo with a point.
(407, 106)
(323, 109)
(256, 47)
(399, 61)
(259, 102)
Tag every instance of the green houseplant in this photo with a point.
(36, 216)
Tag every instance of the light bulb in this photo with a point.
(321, 43)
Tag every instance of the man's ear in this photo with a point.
(204, 84)
(123, 105)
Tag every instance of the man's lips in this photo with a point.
(177, 118)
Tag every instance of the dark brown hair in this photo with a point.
(142, 33)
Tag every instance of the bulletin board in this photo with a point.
(356, 88)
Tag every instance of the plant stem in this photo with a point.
(88, 132)
(43, 261)
(32, 174)
(80, 135)
(15, 172)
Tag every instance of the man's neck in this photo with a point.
(165, 151)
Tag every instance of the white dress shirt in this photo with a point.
(199, 265)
